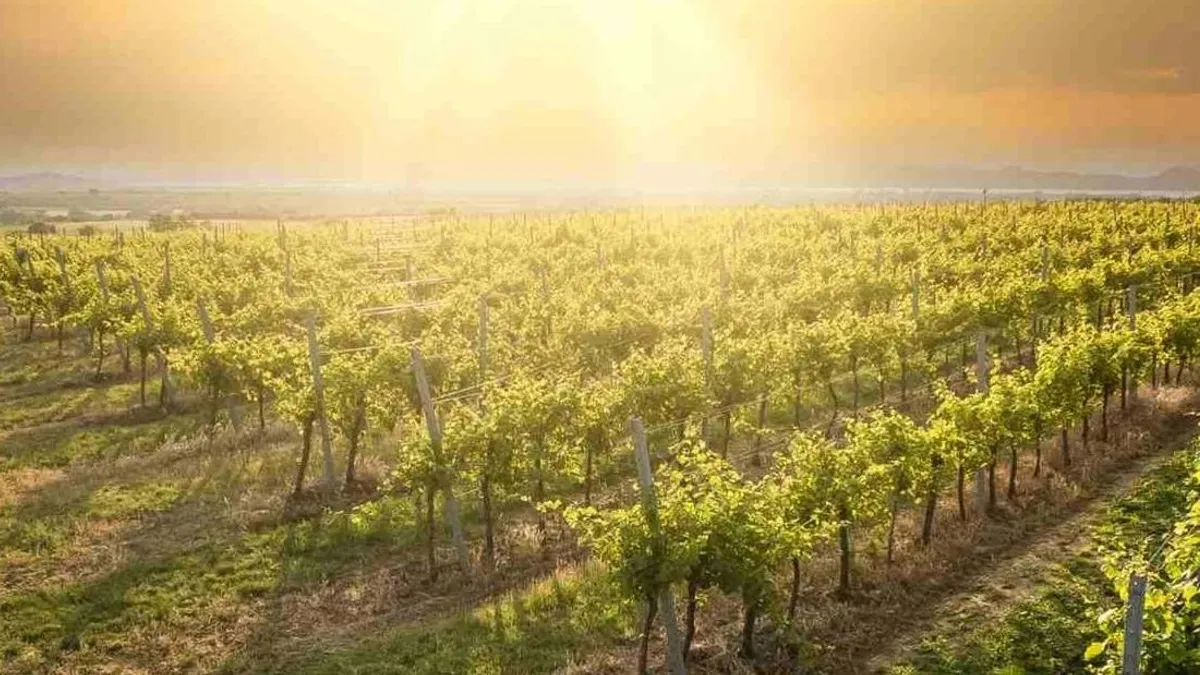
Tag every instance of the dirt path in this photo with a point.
(993, 582)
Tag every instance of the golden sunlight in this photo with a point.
(625, 82)
(442, 337)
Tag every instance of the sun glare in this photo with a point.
(635, 83)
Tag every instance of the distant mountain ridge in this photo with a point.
(45, 180)
(1175, 179)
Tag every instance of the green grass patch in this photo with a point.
(23, 539)
(61, 446)
(28, 532)
(96, 618)
(1045, 635)
(316, 550)
(38, 361)
(192, 590)
(64, 403)
(114, 502)
(538, 630)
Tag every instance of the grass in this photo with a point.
(64, 403)
(538, 630)
(123, 501)
(27, 536)
(192, 590)
(1044, 635)
(217, 587)
(66, 444)
(123, 538)
(1049, 632)
(98, 618)
(54, 414)
(53, 513)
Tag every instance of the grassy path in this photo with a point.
(1032, 610)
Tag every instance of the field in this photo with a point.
(884, 438)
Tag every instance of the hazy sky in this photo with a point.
(502, 91)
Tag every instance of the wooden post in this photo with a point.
(314, 359)
(483, 338)
(62, 266)
(100, 277)
(66, 282)
(1131, 312)
(982, 371)
(442, 476)
(159, 357)
(287, 271)
(1045, 261)
(916, 298)
(485, 487)
(724, 278)
(1131, 652)
(167, 267)
(706, 343)
(758, 433)
(205, 322)
(666, 599)
(235, 413)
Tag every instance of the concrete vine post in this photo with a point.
(442, 477)
(314, 359)
(982, 368)
(1131, 312)
(159, 357)
(485, 483)
(1131, 653)
(666, 599)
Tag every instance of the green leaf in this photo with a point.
(1094, 650)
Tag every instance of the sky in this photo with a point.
(603, 92)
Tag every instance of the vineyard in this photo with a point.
(686, 439)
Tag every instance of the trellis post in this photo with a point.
(314, 359)
(434, 425)
(982, 371)
(666, 599)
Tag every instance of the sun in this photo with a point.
(658, 76)
(639, 85)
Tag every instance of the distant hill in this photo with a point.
(45, 181)
(916, 178)
(1177, 179)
